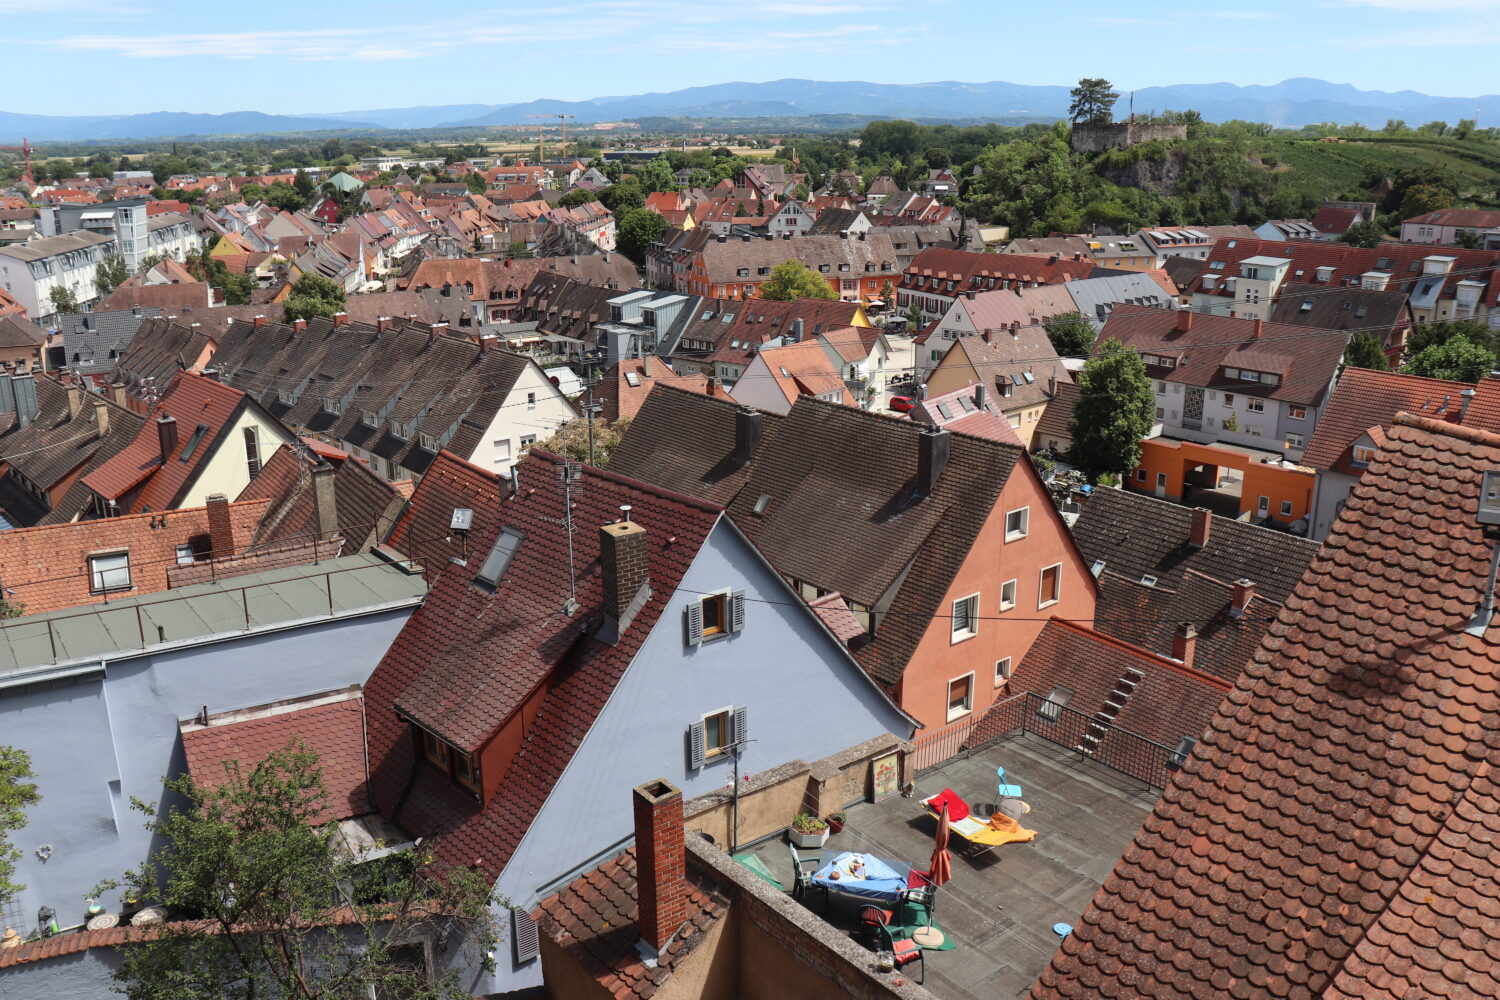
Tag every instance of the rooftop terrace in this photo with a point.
(1000, 907)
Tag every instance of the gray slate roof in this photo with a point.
(92, 342)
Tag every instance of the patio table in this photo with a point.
(875, 879)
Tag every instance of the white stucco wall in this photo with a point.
(500, 448)
(227, 470)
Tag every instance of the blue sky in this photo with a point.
(105, 57)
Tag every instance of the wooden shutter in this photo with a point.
(695, 623)
(737, 611)
(696, 739)
(525, 935)
(741, 726)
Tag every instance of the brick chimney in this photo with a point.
(660, 864)
(623, 563)
(298, 325)
(75, 400)
(166, 435)
(340, 318)
(1244, 590)
(101, 416)
(117, 393)
(1257, 329)
(258, 322)
(382, 323)
(436, 330)
(1203, 521)
(747, 431)
(1184, 320)
(1185, 643)
(325, 501)
(220, 527)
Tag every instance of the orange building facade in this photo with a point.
(1169, 468)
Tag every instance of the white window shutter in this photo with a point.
(737, 611)
(695, 623)
(525, 935)
(696, 740)
(741, 731)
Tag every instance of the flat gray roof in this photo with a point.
(38, 646)
(49, 246)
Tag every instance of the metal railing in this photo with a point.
(1113, 746)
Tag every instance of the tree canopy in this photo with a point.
(1115, 410)
(1364, 352)
(1364, 234)
(792, 279)
(17, 791)
(1457, 359)
(110, 274)
(260, 887)
(1072, 336)
(1093, 101)
(314, 295)
(638, 229)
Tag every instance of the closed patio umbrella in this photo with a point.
(941, 869)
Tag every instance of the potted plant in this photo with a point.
(807, 831)
(836, 821)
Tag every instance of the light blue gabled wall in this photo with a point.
(806, 699)
(97, 742)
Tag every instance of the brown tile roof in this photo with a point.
(1057, 419)
(16, 331)
(1363, 399)
(1334, 834)
(1305, 360)
(365, 505)
(1350, 307)
(684, 441)
(172, 299)
(332, 726)
(1473, 218)
(160, 348)
(423, 532)
(626, 384)
(470, 656)
(138, 477)
(722, 261)
(981, 271)
(1005, 358)
(957, 411)
(593, 919)
(1139, 536)
(1335, 220)
(46, 568)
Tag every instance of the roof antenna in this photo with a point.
(570, 480)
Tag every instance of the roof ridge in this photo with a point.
(1443, 427)
(541, 454)
(1405, 376)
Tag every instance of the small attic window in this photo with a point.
(194, 441)
(633, 380)
(1489, 498)
(1097, 568)
(498, 561)
(1148, 580)
(761, 503)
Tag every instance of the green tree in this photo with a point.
(17, 791)
(1364, 352)
(1394, 126)
(655, 175)
(63, 299)
(638, 229)
(914, 322)
(476, 182)
(1464, 128)
(1458, 359)
(518, 250)
(1423, 198)
(577, 196)
(1115, 410)
(260, 887)
(303, 185)
(110, 274)
(792, 279)
(1093, 101)
(314, 295)
(284, 196)
(627, 196)
(1072, 336)
(1364, 234)
(1425, 335)
(1468, 239)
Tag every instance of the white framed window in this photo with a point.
(1256, 405)
(1228, 399)
(1007, 595)
(1140, 475)
(1286, 508)
(1049, 586)
(1293, 440)
(1002, 671)
(1262, 506)
(109, 572)
(184, 555)
(1363, 455)
(502, 450)
(1017, 523)
(531, 401)
(1057, 699)
(965, 618)
(1297, 412)
(960, 696)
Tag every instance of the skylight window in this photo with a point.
(496, 563)
(1148, 580)
(633, 379)
(194, 441)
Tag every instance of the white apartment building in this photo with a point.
(30, 271)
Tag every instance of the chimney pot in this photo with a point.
(220, 527)
(299, 325)
(623, 564)
(979, 396)
(1258, 329)
(660, 864)
(747, 431)
(75, 400)
(117, 393)
(340, 318)
(166, 435)
(1203, 521)
(1244, 590)
(933, 445)
(1467, 397)
(259, 321)
(1184, 320)
(1185, 643)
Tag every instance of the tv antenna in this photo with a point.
(570, 481)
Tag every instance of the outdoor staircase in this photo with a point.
(1104, 720)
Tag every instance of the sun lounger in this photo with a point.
(1000, 830)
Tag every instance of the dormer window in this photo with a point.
(331, 405)
(461, 768)
(1363, 455)
(367, 417)
(428, 442)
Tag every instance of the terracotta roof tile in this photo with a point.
(1334, 833)
(1363, 398)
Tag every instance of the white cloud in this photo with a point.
(1425, 6)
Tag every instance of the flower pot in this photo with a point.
(835, 825)
(807, 840)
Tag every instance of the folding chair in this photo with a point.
(1004, 790)
(905, 950)
(920, 891)
(802, 873)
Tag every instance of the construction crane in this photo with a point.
(25, 149)
(564, 120)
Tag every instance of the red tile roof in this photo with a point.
(192, 400)
(1363, 399)
(802, 369)
(1484, 411)
(1305, 360)
(980, 271)
(594, 916)
(423, 532)
(626, 385)
(1473, 218)
(46, 568)
(1335, 220)
(1334, 835)
(470, 656)
(333, 727)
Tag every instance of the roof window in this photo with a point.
(503, 551)
(194, 441)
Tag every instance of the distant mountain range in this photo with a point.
(1291, 103)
